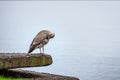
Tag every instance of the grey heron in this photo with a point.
(40, 40)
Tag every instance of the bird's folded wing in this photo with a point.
(39, 38)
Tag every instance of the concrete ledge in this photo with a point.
(19, 60)
(31, 75)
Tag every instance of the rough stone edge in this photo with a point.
(7, 57)
(32, 75)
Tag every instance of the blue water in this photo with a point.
(84, 67)
(87, 60)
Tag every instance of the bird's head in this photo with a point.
(51, 35)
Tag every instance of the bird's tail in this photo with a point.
(31, 49)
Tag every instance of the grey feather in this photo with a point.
(41, 39)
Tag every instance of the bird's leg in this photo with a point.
(40, 50)
(43, 50)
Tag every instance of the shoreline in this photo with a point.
(11, 62)
(32, 75)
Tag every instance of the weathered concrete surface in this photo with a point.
(19, 60)
(31, 75)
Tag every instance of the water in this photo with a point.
(84, 67)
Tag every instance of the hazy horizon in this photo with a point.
(86, 27)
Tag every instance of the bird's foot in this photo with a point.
(27, 55)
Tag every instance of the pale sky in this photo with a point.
(82, 26)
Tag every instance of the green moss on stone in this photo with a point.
(25, 61)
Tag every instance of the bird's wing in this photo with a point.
(37, 40)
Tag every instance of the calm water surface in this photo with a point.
(83, 66)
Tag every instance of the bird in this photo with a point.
(40, 40)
